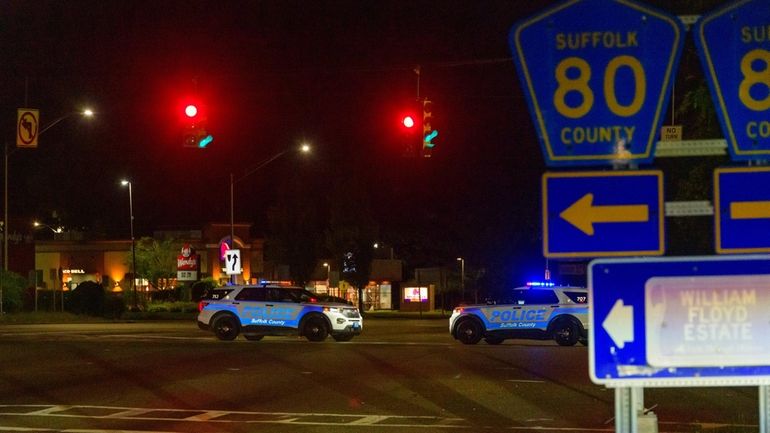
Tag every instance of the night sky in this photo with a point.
(272, 74)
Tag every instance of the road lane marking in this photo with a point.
(217, 416)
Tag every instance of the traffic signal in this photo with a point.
(409, 129)
(428, 133)
(194, 133)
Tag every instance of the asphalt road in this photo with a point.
(399, 376)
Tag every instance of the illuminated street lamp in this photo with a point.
(6, 227)
(38, 224)
(303, 148)
(377, 246)
(85, 113)
(133, 242)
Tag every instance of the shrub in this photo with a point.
(114, 306)
(13, 287)
(199, 287)
(87, 298)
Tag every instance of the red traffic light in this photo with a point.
(408, 121)
(191, 111)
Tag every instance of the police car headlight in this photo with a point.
(332, 310)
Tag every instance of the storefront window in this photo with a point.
(416, 294)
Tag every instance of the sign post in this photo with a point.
(680, 321)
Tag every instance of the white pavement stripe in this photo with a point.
(130, 413)
(207, 416)
(369, 419)
(49, 410)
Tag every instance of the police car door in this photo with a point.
(531, 313)
(251, 305)
(283, 307)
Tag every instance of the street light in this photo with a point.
(328, 278)
(133, 242)
(462, 277)
(303, 148)
(38, 224)
(6, 227)
(85, 113)
(377, 245)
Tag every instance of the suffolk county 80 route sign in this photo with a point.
(597, 75)
(734, 47)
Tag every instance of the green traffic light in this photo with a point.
(428, 138)
(205, 141)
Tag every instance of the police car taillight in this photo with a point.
(458, 310)
(202, 305)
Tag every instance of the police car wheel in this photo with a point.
(566, 333)
(225, 327)
(342, 337)
(252, 337)
(584, 341)
(315, 329)
(468, 332)
(493, 340)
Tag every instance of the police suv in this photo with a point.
(534, 312)
(269, 309)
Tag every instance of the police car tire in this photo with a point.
(252, 337)
(468, 331)
(342, 337)
(566, 333)
(225, 327)
(315, 329)
(493, 340)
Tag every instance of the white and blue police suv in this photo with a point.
(534, 312)
(270, 309)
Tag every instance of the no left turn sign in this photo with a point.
(27, 127)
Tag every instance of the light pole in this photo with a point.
(86, 113)
(37, 224)
(133, 241)
(328, 278)
(304, 148)
(462, 277)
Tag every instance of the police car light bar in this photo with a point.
(540, 284)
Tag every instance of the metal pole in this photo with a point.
(133, 242)
(764, 409)
(232, 219)
(5, 222)
(462, 279)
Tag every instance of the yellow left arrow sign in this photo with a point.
(583, 214)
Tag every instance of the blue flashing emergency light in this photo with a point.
(540, 284)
